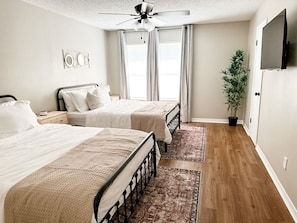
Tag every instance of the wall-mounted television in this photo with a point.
(274, 43)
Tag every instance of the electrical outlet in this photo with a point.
(285, 163)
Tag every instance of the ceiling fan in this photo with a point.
(146, 19)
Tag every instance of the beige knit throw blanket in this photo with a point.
(64, 190)
(152, 118)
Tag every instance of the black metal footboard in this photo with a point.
(124, 207)
(173, 124)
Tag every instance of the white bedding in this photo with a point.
(115, 115)
(24, 153)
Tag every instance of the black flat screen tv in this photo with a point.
(274, 43)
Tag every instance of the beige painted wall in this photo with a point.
(31, 62)
(113, 61)
(214, 44)
(277, 136)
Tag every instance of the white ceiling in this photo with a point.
(201, 11)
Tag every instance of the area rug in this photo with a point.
(172, 196)
(188, 143)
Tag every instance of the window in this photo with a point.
(169, 70)
(137, 70)
(169, 64)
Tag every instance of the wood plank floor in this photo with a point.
(235, 185)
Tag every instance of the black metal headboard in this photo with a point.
(59, 97)
(7, 97)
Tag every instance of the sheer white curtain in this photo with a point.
(124, 82)
(186, 73)
(153, 66)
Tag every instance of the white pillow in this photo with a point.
(17, 117)
(103, 92)
(8, 103)
(94, 100)
(79, 99)
(68, 101)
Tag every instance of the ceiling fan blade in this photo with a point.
(144, 8)
(157, 21)
(111, 13)
(126, 21)
(147, 7)
(173, 13)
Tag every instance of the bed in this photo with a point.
(90, 105)
(64, 173)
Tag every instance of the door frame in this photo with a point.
(256, 86)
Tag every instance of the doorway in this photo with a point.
(256, 87)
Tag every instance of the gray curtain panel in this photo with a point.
(186, 73)
(153, 66)
(124, 82)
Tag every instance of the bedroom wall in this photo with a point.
(31, 61)
(113, 61)
(278, 120)
(214, 44)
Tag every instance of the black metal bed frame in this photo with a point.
(60, 101)
(133, 190)
(8, 96)
(173, 124)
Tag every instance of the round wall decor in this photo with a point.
(80, 59)
(69, 60)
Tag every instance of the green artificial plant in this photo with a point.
(235, 81)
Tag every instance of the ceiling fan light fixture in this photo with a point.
(143, 24)
(137, 25)
(148, 25)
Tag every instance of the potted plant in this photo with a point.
(235, 79)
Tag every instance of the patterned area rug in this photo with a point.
(170, 197)
(188, 143)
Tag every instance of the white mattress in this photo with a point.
(116, 115)
(24, 153)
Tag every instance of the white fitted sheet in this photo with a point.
(24, 153)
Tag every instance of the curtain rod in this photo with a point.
(158, 29)
(168, 28)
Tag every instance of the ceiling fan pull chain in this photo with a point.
(142, 36)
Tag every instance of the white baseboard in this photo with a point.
(209, 120)
(277, 183)
(247, 131)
